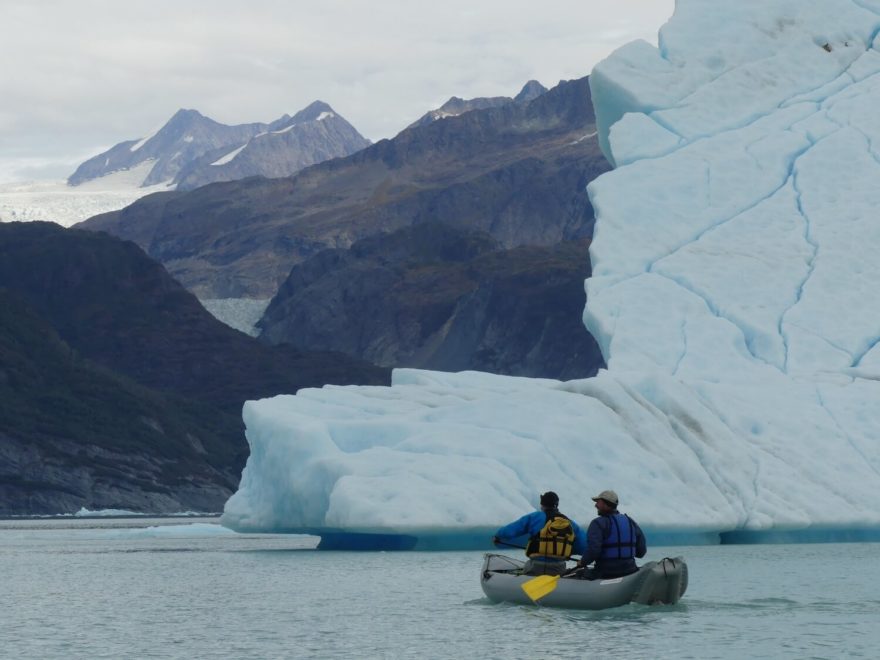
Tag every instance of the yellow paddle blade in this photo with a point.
(540, 586)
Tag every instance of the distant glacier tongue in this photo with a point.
(735, 295)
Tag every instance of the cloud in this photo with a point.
(98, 72)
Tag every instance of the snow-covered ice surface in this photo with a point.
(734, 295)
(239, 313)
(55, 201)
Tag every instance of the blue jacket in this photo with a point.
(607, 562)
(532, 523)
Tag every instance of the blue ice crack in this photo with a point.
(753, 118)
(859, 356)
(693, 239)
(811, 262)
(683, 328)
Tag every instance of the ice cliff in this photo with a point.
(734, 294)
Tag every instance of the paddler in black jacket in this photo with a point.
(614, 540)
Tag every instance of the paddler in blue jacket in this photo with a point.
(614, 540)
(553, 537)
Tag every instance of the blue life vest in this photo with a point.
(620, 541)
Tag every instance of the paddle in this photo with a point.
(540, 586)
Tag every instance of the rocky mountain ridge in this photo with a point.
(456, 106)
(313, 135)
(191, 149)
(517, 172)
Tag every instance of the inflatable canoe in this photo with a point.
(656, 582)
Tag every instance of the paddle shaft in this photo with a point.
(522, 547)
(510, 545)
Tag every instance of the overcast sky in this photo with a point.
(79, 77)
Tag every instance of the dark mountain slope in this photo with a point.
(74, 434)
(116, 311)
(437, 297)
(118, 307)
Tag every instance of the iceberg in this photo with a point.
(734, 296)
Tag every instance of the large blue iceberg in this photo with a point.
(734, 294)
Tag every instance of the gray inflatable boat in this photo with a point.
(655, 583)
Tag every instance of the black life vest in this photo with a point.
(555, 540)
(620, 541)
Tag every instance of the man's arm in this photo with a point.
(641, 544)
(518, 527)
(595, 536)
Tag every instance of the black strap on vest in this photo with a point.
(535, 541)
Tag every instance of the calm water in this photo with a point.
(86, 589)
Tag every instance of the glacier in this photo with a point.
(239, 313)
(733, 295)
(58, 202)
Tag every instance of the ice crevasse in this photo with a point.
(734, 295)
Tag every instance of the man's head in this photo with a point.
(606, 501)
(549, 500)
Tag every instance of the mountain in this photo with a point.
(530, 91)
(191, 149)
(100, 336)
(456, 106)
(516, 172)
(185, 137)
(311, 136)
(433, 296)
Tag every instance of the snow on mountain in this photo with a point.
(733, 294)
(187, 136)
(66, 205)
(140, 143)
(311, 136)
(191, 150)
(232, 154)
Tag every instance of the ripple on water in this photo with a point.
(264, 597)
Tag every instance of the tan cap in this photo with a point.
(608, 496)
